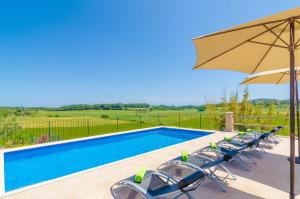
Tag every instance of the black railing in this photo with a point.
(20, 134)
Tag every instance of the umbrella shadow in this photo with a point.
(210, 191)
(272, 170)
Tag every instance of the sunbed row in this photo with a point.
(186, 172)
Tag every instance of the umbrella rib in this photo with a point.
(242, 28)
(297, 43)
(278, 36)
(281, 78)
(237, 45)
(267, 52)
(249, 79)
(273, 45)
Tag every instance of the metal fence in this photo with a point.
(262, 123)
(20, 134)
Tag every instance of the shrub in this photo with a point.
(104, 116)
(43, 139)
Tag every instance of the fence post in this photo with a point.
(200, 120)
(88, 126)
(140, 121)
(158, 119)
(179, 117)
(117, 123)
(229, 122)
(49, 131)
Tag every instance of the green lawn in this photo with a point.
(32, 130)
(44, 126)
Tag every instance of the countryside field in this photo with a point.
(43, 126)
(38, 126)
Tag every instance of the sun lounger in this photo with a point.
(157, 184)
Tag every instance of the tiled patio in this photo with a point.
(268, 179)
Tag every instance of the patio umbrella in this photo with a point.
(280, 76)
(261, 45)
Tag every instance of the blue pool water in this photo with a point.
(31, 166)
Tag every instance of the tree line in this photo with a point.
(119, 106)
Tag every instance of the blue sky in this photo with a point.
(55, 52)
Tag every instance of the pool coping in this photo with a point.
(2, 178)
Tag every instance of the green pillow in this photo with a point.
(213, 145)
(184, 156)
(228, 139)
(241, 133)
(139, 177)
(249, 130)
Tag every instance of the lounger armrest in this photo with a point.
(187, 164)
(205, 149)
(170, 162)
(164, 175)
(229, 146)
(131, 185)
(204, 157)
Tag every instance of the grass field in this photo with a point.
(46, 126)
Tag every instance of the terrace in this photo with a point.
(263, 181)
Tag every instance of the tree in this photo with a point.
(271, 109)
(245, 102)
(250, 109)
(224, 103)
(210, 107)
(233, 104)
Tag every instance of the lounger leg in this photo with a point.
(183, 193)
(278, 138)
(243, 164)
(218, 182)
(275, 140)
(249, 158)
(228, 171)
(260, 148)
(257, 152)
(267, 143)
(271, 140)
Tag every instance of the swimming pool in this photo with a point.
(31, 166)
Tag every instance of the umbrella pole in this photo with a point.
(292, 108)
(297, 159)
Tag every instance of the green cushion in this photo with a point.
(241, 133)
(249, 130)
(213, 145)
(228, 139)
(184, 155)
(138, 178)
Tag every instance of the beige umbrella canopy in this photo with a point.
(280, 76)
(261, 45)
